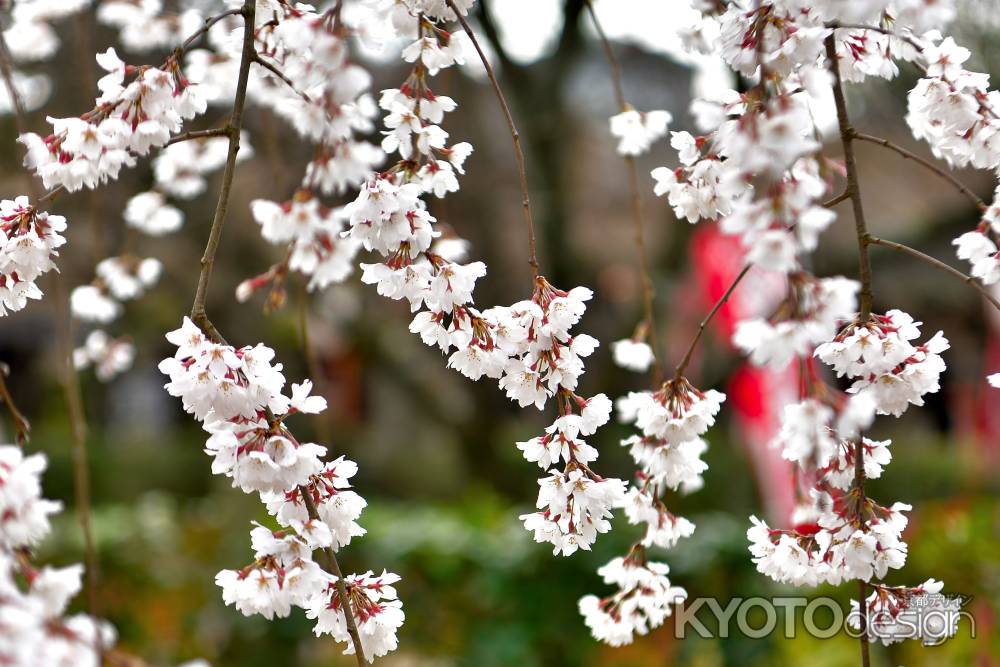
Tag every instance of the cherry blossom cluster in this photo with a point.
(108, 356)
(920, 612)
(884, 364)
(955, 111)
(828, 546)
(667, 453)
(838, 533)
(29, 239)
(33, 605)
(312, 233)
(118, 279)
(238, 395)
(634, 353)
(322, 94)
(810, 314)
(139, 109)
(771, 141)
(644, 599)
(636, 130)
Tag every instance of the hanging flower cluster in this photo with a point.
(28, 242)
(884, 364)
(667, 452)
(324, 97)
(920, 612)
(238, 395)
(129, 119)
(180, 170)
(955, 112)
(644, 599)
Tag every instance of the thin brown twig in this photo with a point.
(937, 264)
(273, 69)
(52, 194)
(853, 188)
(907, 155)
(515, 137)
(198, 312)
(199, 134)
(686, 359)
(206, 26)
(864, 269)
(233, 127)
(330, 564)
(635, 194)
(22, 428)
(830, 203)
(70, 381)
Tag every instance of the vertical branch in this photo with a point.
(70, 381)
(853, 190)
(200, 316)
(198, 313)
(22, 428)
(514, 135)
(330, 564)
(865, 271)
(635, 194)
(67, 372)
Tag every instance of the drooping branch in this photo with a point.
(864, 269)
(232, 129)
(329, 563)
(635, 196)
(927, 164)
(81, 470)
(22, 429)
(206, 26)
(937, 264)
(853, 190)
(273, 69)
(833, 201)
(199, 314)
(514, 135)
(686, 359)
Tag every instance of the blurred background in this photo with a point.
(438, 465)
